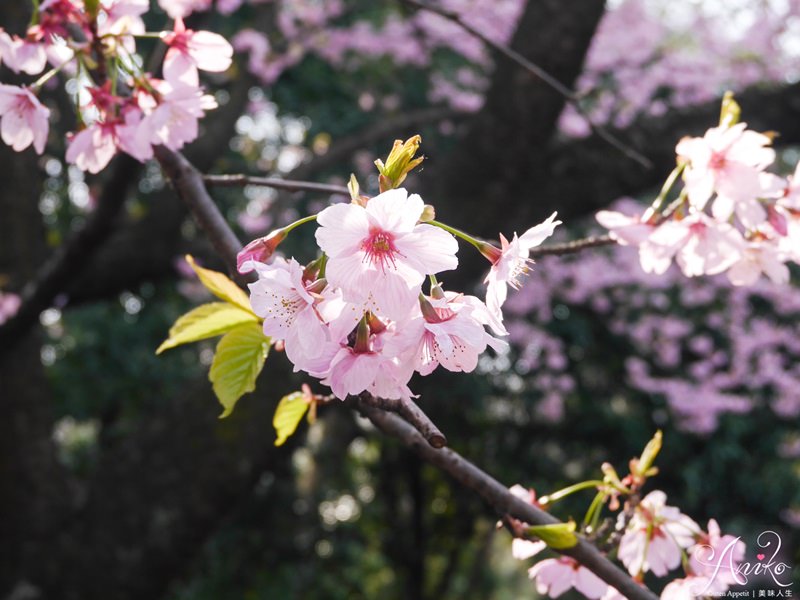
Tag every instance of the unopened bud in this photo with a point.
(399, 163)
(428, 214)
(490, 251)
(258, 251)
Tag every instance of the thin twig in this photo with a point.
(236, 180)
(498, 495)
(574, 246)
(535, 70)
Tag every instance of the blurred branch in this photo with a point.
(418, 433)
(537, 71)
(573, 246)
(275, 183)
(386, 128)
(70, 259)
(498, 495)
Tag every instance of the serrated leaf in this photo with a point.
(238, 360)
(288, 415)
(220, 285)
(558, 536)
(205, 321)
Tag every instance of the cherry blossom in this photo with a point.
(727, 160)
(92, 148)
(715, 557)
(22, 54)
(378, 254)
(173, 122)
(24, 119)
(656, 536)
(448, 334)
(688, 588)
(625, 229)
(760, 257)
(178, 9)
(700, 245)
(512, 261)
(286, 303)
(9, 305)
(192, 50)
(554, 576)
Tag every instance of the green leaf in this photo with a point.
(558, 536)
(731, 112)
(288, 415)
(205, 321)
(237, 362)
(220, 285)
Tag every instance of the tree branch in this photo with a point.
(540, 73)
(71, 258)
(498, 495)
(426, 441)
(288, 185)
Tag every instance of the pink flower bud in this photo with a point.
(258, 251)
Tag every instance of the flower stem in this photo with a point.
(299, 222)
(464, 236)
(665, 190)
(583, 485)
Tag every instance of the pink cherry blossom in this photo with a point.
(260, 250)
(123, 18)
(192, 50)
(285, 302)
(700, 244)
(9, 305)
(655, 536)
(716, 557)
(178, 9)
(512, 262)
(727, 160)
(760, 257)
(173, 122)
(92, 148)
(24, 119)
(352, 372)
(626, 230)
(688, 588)
(379, 255)
(554, 576)
(22, 54)
(448, 333)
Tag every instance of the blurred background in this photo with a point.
(118, 481)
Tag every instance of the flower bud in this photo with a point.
(399, 163)
(259, 250)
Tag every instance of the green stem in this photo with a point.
(47, 76)
(577, 487)
(464, 236)
(665, 190)
(299, 222)
(593, 513)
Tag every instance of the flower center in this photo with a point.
(379, 249)
(519, 268)
(717, 161)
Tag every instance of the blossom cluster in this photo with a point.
(120, 106)
(358, 317)
(650, 537)
(732, 215)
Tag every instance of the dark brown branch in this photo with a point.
(188, 184)
(239, 180)
(412, 413)
(542, 74)
(498, 495)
